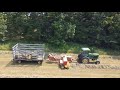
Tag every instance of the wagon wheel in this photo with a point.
(16, 56)
(85, 61)
(19, 61)
(40, 62)
(13, 60)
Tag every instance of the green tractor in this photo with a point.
(87, 56)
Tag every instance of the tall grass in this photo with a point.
(67, 48)
(76, 48)
(6, 46)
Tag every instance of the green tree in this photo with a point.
(3, 26)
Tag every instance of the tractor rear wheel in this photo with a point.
(79, 61)
(85, 61)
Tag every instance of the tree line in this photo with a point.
(100, 29)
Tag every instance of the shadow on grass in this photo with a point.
(51, 62)
(23, 64)
(85, 64)
(116, 57)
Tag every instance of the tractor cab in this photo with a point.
(87, 56)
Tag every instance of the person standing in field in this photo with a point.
(64, 63)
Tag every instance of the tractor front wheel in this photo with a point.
(97, 62)
(85, 61)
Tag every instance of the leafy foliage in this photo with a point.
(100, 29)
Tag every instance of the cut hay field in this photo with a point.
(109, 68)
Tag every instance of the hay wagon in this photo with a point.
(28, 52)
